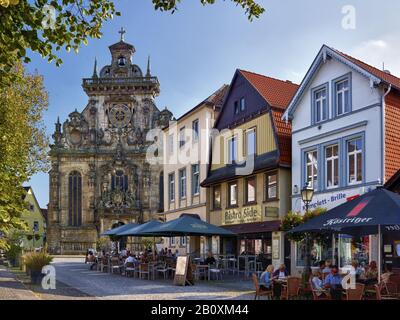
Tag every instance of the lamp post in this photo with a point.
(307, 194)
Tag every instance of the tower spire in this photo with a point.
(148, 73)
(95, 68)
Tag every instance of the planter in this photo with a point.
(36, 277)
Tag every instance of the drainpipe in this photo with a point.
(383, 133)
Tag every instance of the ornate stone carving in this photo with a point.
(75, 129)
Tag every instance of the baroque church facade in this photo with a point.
(99, 175)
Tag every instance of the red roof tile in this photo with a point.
(278, 93)
(284, 134)
(384, 76)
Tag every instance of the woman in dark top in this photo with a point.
(210, 259)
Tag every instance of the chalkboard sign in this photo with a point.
(183, 271)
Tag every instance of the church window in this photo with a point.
(75, 199)
(119, 181)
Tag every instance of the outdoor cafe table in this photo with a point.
(277, 287)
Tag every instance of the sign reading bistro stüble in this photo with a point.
(242, 215)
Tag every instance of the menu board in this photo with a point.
(183, 271)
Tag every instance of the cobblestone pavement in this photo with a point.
(13, 289)
(73, 273)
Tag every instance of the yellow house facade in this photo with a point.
(249, 178)
(35, 235)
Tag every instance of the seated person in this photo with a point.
(169, 253)
(333, 282)
(371, 274)
(266, 278)
(210, 258)
(322, 265)
(281, 272)
(131, 259)
(318, 284)
(327, 268)
(357, 270)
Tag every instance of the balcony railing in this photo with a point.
(121, 81)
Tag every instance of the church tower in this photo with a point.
(99, 175)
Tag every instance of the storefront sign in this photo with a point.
(331, 199)
(242, 215)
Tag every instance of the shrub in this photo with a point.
(35, 261)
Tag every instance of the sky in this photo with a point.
(197, 49)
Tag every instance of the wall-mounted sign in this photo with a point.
(271, 212)
(276, 243)
(242, 215)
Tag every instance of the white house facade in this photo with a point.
(339, 137)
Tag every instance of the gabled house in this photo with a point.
(249, 173)
(35, 235)
(344, 120)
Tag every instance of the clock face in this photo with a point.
(119, 116)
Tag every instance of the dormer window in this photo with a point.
(121, 61)
(320, 104)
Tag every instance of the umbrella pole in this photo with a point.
(379, 253)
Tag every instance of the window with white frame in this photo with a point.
(242, 104)
(342, 98)
(312, 168)
(232, 149)
(355, 161)
(183, 241)
(171, 144)
(232, 194)
(171, 187)
(332, 166)
(182, 137)
(171, 241)
(195, 130)
(251, 189)
(195, 179)
(320, 105)
(251, 142)
(182, 183)
(271, 184)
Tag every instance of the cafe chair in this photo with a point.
(379, 296)
(259, 292)
(130, 269)
(214, 269)
(291, 289)
(104, 264)
(144, 270)
(162, 268)
(315, 292)
(115, 265)
(357, 293)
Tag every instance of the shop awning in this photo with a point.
(114, 231)
(255, 227)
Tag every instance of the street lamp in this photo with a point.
(307, 194)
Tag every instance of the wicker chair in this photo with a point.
(259, 292)
(104, 264)
(115, 265)
(291, 289)
(144, 270)
(357, 293)
(315, 292)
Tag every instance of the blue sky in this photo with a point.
(197, 49)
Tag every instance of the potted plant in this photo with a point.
(34, 262)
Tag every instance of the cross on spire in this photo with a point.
(122, 32)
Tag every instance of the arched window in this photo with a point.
(75, 199)
(119, 181)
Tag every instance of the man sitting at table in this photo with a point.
(131, 259)
(281, 272)
(210, 258)
(333, 282)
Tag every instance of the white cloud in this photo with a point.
(377, 52)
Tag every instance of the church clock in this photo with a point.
(119, 116)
